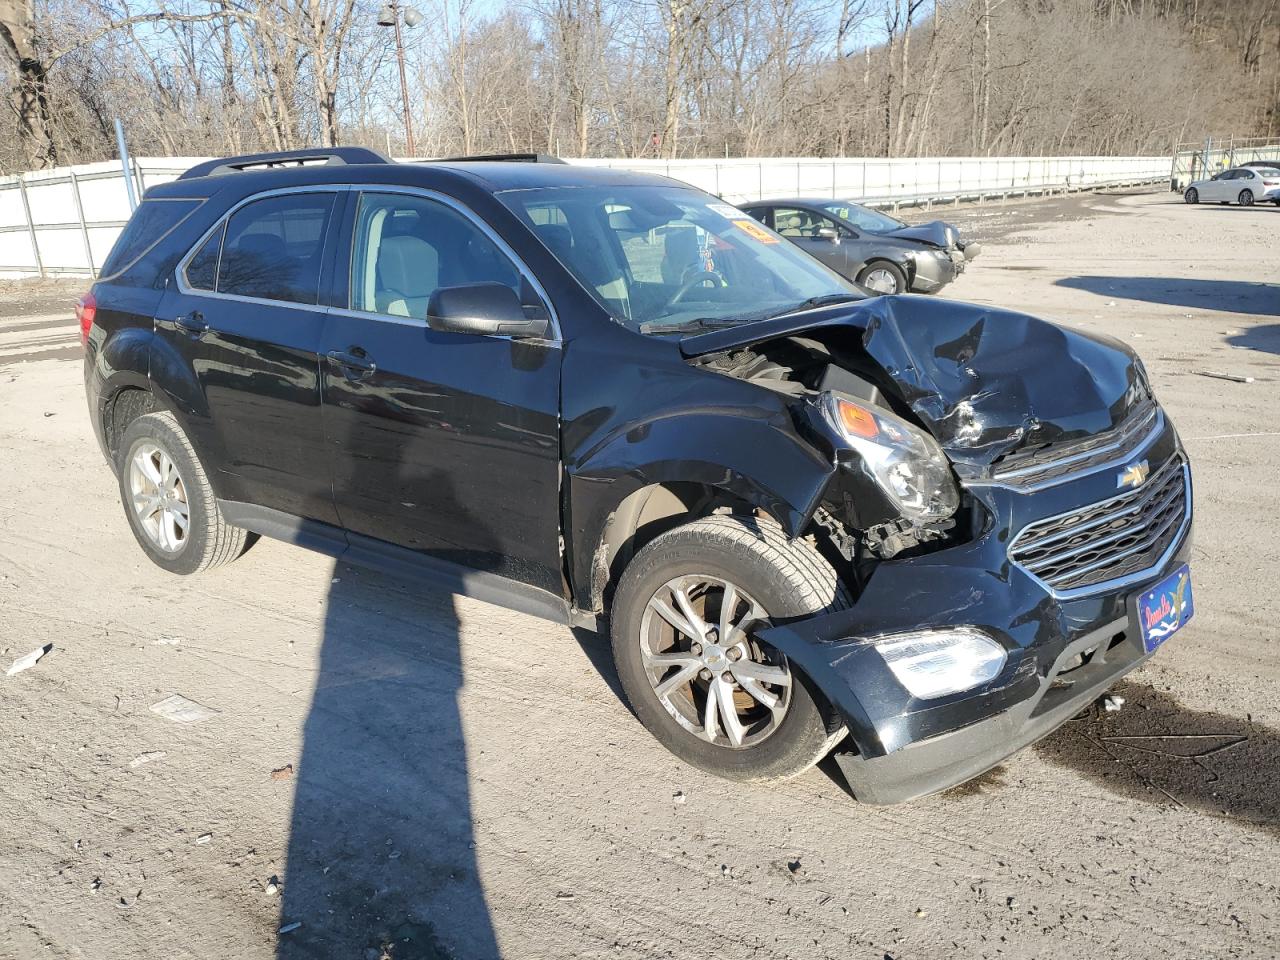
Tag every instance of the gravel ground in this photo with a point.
(410, 775)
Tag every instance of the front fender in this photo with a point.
(752, 454)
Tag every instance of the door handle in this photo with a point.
(355, 363)
(193, 323)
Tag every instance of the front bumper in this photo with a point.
(1063, 649)
(934, 272)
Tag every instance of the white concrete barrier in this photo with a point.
(63, 221)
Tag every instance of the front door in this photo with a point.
(242, 327)
(443, 443)
(805, 229)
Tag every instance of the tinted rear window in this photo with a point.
(150, 223)
(273, 248)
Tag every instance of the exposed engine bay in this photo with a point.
(810, 368)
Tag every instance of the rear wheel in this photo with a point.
(1192, 195)
(1245, 198)
(168, 500)
(684, 627)
(883, 277)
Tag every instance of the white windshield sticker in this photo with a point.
(732, 213)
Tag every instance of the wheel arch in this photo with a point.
(784, 480)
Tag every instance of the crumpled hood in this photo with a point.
(937, 232)
(982, 380)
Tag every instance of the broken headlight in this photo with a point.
(906, 462)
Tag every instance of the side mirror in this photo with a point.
(829, 233)
(484, 308)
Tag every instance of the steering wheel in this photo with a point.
(702, 276)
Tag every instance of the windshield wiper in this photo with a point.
(822, 301)
(689, 326)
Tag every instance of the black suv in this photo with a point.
(925, 531)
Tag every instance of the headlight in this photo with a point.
(907, 463)
(934, 663)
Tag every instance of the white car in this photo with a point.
(1242, 185)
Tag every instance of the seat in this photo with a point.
(680, 255)
(408, 273)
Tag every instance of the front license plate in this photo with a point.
(1164, 608)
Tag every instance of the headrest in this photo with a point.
(557, 237)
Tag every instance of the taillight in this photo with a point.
(1271, 183)
(86, 307)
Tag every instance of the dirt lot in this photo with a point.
(465, 782)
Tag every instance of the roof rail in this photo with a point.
(286, 158)
(507, 157)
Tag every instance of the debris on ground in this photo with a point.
(182, 710)
(28, 661)
(204, 838)
(290, 927)
(678, 797)
(1112, 703)
(920, 913)
(272, 887)
(564, 895)
(1234, 378)
(282, 773)
(147, 757)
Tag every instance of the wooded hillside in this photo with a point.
(639, 77)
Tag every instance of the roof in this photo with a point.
(491, 176)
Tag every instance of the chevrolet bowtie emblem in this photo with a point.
(1134, 475)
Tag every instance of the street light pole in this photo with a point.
(404, 86)
(390, 17)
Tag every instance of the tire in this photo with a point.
(876, 268)
(1246, 198)
(773, 575)
(1192, 195)
(208, 540)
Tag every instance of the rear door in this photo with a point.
(445, 444)
(240, 331)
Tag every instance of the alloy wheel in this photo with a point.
(706, 668)
(159, 498)
(1246, 198)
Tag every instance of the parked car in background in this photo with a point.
(1245, 185)
(865, 245)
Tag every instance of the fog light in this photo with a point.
(934, 663)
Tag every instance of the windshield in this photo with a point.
(659, 257)
(873, 221)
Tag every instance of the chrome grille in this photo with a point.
(1053, 462)
(1109, 540)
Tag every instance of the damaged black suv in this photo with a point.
(918, 532)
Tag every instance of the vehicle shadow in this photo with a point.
(1158, 751)
(381, 860)
(1265, 337)
(1231, 296)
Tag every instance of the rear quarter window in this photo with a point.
(150, 223)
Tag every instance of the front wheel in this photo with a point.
(1192, 195)
(684, 625)
(882, 277)
(1245, 198)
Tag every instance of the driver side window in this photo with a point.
(407, 247)
(791, 222)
